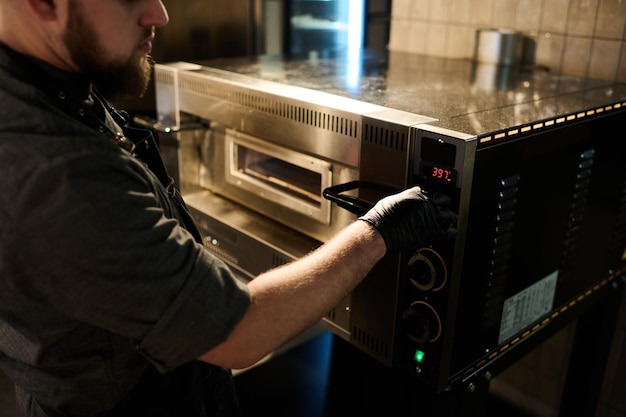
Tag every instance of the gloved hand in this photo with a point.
(409, 219)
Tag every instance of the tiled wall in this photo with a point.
(576, 37)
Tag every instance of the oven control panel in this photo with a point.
(425, 275)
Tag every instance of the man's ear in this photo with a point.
(45, 9)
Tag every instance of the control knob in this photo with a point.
(426, 270)
(421, 323)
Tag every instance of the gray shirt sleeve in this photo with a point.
(95, 245)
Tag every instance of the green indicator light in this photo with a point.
(419, 356)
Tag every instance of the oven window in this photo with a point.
(286, 177)
(280, 176)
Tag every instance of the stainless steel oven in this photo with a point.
(534, 166)
(267, 147)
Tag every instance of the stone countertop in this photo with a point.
(463, 95)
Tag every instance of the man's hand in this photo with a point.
(409, 219)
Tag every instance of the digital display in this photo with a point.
(438, 173)
(437, 159)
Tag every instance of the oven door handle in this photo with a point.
(354, 205)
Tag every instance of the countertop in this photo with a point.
(463, 95)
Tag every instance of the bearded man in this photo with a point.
(109, 303)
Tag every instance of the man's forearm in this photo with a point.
(287, 300)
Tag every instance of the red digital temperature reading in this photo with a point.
(441, 173)
(438, 173)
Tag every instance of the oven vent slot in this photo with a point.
(271, 104)
(504, 222)
(278, 260)
(222, 254)
(576, 212)
(162, 76)
(618, 240)
(297, 113)
(221, 232)
(370, 343)
(385, 137)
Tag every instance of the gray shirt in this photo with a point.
(99, 281)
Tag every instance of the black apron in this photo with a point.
(195, 389)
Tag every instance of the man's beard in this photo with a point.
(114, 78)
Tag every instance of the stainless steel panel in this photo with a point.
(218, 175)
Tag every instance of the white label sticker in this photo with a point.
(527, 306)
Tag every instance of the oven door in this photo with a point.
(275, 180)
(290, 178)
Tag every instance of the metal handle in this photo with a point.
(354, 205)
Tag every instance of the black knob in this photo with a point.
(426, 270)
(421, 323)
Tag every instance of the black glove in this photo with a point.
(408, 220)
